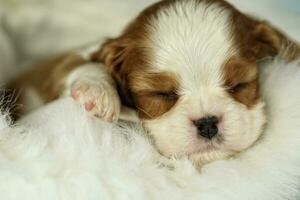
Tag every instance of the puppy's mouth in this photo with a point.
(204, 146)
(209, 151)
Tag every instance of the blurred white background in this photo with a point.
(34, 29)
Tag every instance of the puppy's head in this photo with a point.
(189, 69)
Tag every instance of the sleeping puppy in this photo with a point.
(187, 68)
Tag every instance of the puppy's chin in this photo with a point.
(202, 158)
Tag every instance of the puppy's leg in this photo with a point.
(92, 86)
(72, 74)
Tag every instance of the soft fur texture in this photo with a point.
(60, 153)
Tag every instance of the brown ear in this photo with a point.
(274, 40)
(264, 40)
(113, 54)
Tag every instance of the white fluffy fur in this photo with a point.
(60, 153)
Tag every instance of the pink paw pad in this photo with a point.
(100, 101)
(89, 106)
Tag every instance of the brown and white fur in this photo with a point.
(176, 63)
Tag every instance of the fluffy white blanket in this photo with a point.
(60, 153)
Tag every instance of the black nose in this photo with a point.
(207, 127)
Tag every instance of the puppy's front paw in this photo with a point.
(99, 98)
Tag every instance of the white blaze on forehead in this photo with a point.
(193, 40)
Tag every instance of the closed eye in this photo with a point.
(170, 96)
(237, 87)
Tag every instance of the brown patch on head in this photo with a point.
(241, 79)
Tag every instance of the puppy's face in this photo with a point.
(189, 69)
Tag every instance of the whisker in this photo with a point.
(140, 109)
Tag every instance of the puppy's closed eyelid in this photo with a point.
(238, 87)
(166, 95)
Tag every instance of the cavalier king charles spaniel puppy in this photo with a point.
(188, 69)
